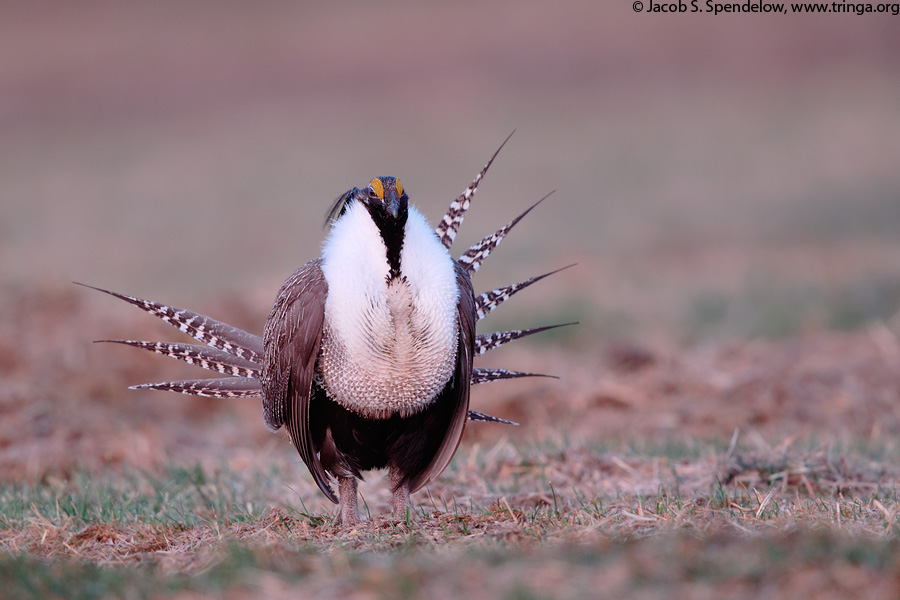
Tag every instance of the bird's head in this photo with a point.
(385, 199)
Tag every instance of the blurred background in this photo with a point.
(715, 176)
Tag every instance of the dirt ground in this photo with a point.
(759, 467)
(65, 404)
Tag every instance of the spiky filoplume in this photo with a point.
(226, 387)
(210, 359)
(473, 257)
(488, 301)
(216, 334)
(449, 225)
(489, 341)
(477, 416)
(487, 375)
(245, 357)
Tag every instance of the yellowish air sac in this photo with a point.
(376, 185)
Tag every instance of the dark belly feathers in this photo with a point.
(350, 444)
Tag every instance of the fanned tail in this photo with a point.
(449, 225)
(474, 256)
(227, 387)
(202, 356)
(232, 340)
(235, 352)
(480, 376)
(474, 415)
(490, 341)
(231, 351)
(488, 301)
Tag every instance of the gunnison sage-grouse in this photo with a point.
(366, 356)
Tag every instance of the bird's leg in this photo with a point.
(348, 500)
(399, 493)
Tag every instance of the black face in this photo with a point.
(389, 206)
(385, 198)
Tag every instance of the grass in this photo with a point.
(760, 516)
(623, 480)
(178, 497)
(675, 562)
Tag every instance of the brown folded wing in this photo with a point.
(291, 344)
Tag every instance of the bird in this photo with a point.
(366, 357)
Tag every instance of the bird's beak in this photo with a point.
(393, 207)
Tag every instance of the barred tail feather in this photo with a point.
(474, 256)
(227, 387)
(201, 356)
(474, 415)
(232, 340)
(490, 341)
(488, 301)
(449, 225)
(480, 376)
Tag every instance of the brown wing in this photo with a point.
(459, 385)
(291, 345)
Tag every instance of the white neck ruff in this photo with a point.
(388, 347)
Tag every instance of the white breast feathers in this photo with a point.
(387, 347)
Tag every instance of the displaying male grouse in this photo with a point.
(367, 353)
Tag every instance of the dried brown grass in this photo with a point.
(657, 465)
